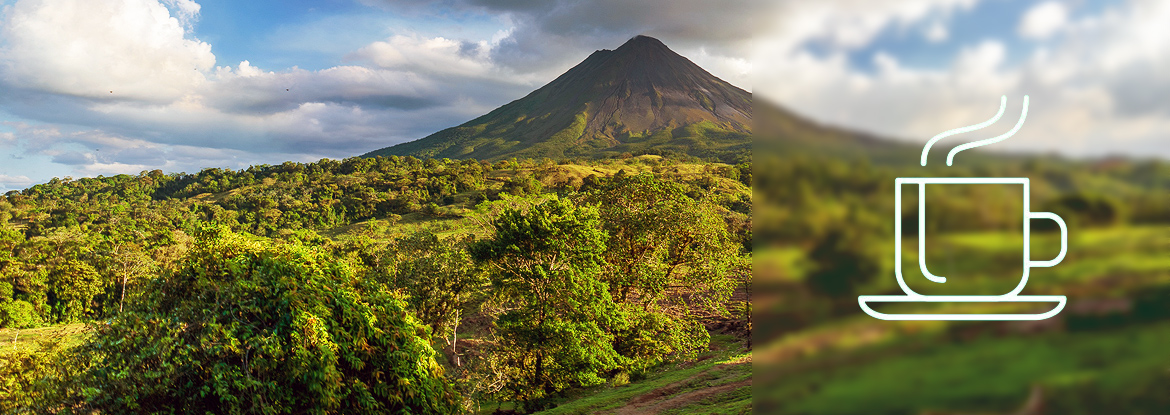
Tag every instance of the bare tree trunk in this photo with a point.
(14, 336)
(455, 338)
(122, 262)
(123, 298)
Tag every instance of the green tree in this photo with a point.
(246, 326)
(73, 286)
(660, 239)
(545, 265)
(441, 280)
(521, 185)
(670, 261)
(17, 314)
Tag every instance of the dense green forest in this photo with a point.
(368, 285)
(439, 286)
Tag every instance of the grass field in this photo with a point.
(720, 383)
(988, 374)
(1109, 343)
(28, 339)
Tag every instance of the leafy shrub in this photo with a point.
(18, 314)
(36, 381)
(251, 327)
(523, 185)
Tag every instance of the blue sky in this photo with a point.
(316, 35)
(97, 88)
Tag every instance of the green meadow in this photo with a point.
(1107, 349)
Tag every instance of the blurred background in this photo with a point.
(846, 95)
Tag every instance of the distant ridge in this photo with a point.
(640, 98)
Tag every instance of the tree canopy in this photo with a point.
(251, 327)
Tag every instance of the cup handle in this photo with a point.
(1063, 238)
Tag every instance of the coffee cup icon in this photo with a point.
(1012, 296)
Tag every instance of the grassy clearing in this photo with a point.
(988, 374)
(989, 262)
(856, 364)
(1101, 263)
(720, 383)
(28, 339)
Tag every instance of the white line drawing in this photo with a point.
(967, 129)
(1028, 264)
(981, 143)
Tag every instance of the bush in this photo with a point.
(18, 314)
(36, 381)
(249, 327)
(522, 185)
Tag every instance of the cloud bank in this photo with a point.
(1096, 76)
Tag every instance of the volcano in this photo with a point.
(641, 98)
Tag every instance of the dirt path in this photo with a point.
(660, 399)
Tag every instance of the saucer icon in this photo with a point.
(1014, 296)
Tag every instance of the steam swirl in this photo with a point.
(980, 143)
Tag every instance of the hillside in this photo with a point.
(781, 131)
(641, 98)
(393, 262)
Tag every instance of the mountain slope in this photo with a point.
(780, 131)
(641, 97)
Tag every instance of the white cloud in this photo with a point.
(936, 33)
(62, 58)
(846, 24)
(244, 70)
(730, 67)
(14, 182)
(434, 55)
(252, 90)
(187, 11)
(131, 49)
(1043, 20)
(90, 152)
(983, 59)
(1096, 89)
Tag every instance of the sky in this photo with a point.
(1097, 74)
(107, 87)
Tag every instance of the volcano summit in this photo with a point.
(641, 98)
